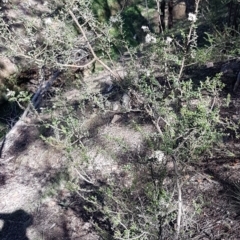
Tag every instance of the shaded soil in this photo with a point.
(34, 180)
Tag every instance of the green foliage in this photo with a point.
(3, 130)
(187, 111)
(131, 14)
(20, 97)
(129, 215)
(133, 21)
(184, 110)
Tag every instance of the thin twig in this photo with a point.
(236, 85)
(213, 103)
(83, 178)
(156, 123)
(179, 215)
(91, 49)
(188, 41)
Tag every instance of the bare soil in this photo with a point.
(33, 194)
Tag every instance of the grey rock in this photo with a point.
(115, 106)
(126, 100)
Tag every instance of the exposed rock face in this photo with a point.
(179, 10)
(172, 10)
(12, 11)
(7, 68)
(231, 74)
(232, 67)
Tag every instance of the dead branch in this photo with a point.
(16, 133)
(90, 47)
(236, 85)
(179, 215)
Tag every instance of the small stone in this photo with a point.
(209, 64)
(7, 68)
(115, 106)
(159, 155)
(125, 100)
(51, 203)
(108, 104)
(116, 118)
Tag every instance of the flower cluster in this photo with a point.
(192, 17)
(169, 40)
(145, 29)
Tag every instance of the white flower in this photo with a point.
(150, 39)
(145, 29)
(115, 19)
(192, 17)
(48, 21)
(148, 73)
(169, 40)
(10, 93)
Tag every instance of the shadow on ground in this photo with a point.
(15, 225)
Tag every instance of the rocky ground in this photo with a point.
(33, 194)
(36, 205)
